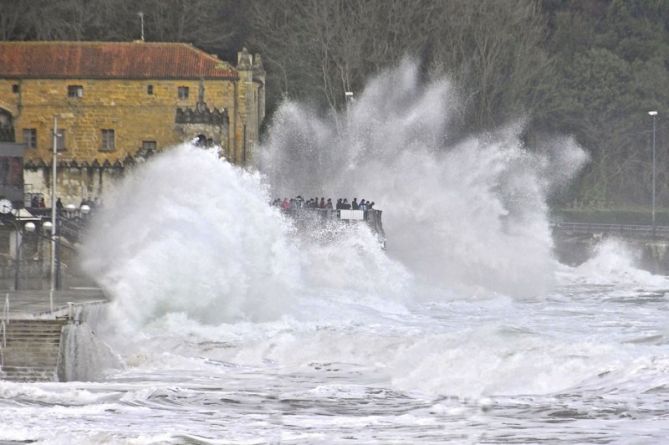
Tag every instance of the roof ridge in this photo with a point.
(33, 58)
(94, 42)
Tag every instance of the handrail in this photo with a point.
(601, 227)
(3, 324)
(4, 344)
(5, 309)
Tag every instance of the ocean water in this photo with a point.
(586, 363)
(227, 325)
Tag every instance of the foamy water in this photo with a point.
(586, 363)
(231, 326)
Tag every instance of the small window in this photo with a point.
(30, 137)
(183, 93)
(149, 145)
(60, 139)
(75, 91)
(108, 143)
(16, 88)
(149, 90)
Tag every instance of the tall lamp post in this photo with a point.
(653, 114)
(54, 214)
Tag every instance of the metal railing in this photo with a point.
(5, 309)
(4, 344)
(633, 229)
(3, 326)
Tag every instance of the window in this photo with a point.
(16, 88)
(183, 93)
(108, 143)
(30, 137)
(149, 90)
(75, 91)
(148, 146)
(60, 139)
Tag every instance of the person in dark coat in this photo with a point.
(354, 204)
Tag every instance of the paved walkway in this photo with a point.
(36, 303)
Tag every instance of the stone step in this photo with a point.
(32, 361)
(32, 336)
(29, 373)
(32, 357)
(33, 328)
(32, 341)
(29, 351)
(11, 327)
(35, 323)
(32, 351)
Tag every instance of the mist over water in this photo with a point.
(232, 323)
(188, 232)
(468, 215)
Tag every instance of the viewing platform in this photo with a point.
(32, 331)
(307, 218)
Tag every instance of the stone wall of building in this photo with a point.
(86, 168)
(121, 105)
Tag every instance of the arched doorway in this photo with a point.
(6, 126)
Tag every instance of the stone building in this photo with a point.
(117, 103)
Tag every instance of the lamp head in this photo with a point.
(6, 206)
(30, 227)
(653, 113)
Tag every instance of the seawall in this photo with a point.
(575, 248)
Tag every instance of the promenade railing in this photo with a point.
(631, 229)
(3, 327)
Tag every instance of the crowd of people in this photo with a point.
(38, 202)
(314, 203)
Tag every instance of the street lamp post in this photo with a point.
(18, 234)
(653, 114)
(54, 214)
(348, 96)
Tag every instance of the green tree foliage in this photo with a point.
(588, 68)
(611, 70)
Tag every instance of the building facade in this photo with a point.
(117, 103)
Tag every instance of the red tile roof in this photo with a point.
(95, 60)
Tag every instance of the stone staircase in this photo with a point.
(32, 350)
